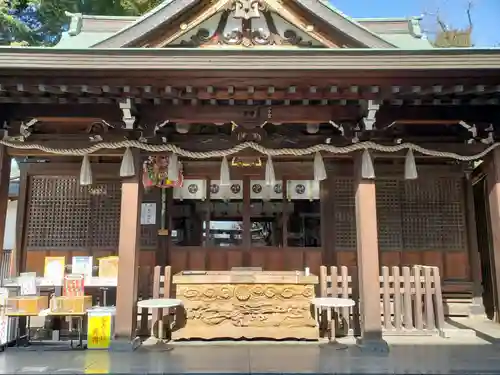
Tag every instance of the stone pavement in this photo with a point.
(415, 355)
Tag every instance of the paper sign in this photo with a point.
(81, 265)
(54, 268)
(27, 285)
(73, 286)
(148, 214)
(108, 267)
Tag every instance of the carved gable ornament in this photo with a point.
(246, 23)
(247, 9)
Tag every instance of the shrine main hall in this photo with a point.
(284, 136)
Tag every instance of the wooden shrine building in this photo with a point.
(401, 129)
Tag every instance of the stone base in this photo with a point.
(155, 345)
(477, 307)
(372, 345)
(124, 345)
(195, 331)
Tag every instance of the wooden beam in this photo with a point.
(241, 114)
(149, 113)
(285, 114)
(109, 112)
(388, 114)
(299, 64)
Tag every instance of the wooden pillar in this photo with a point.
(5, 161)
(327, 222)
(475, 274)
(247, 223)
(493, 191)
(368, 261)
(128, 263)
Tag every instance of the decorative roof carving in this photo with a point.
(247, 9)
(247, 25)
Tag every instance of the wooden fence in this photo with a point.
(411, 298)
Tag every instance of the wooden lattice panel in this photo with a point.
(344, 214)
(389, 215)
(433, 214)
(58, 214)
(105, 216)
(452, 220)
(425, 214)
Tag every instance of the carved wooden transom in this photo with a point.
(246, 23)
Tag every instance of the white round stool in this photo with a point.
(332, 303)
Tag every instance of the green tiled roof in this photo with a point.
(76, 38)
(407, 41)
(82, 40)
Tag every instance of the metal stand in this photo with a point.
(79, 330)
(332, 340)
(104, 291)
(157, 344)
(331, 329)
(27, 327)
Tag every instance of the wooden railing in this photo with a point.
(411, 298)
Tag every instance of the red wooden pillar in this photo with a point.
(128, 263)
(368, 261)
(493, 185)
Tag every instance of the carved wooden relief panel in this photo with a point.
(246, 310)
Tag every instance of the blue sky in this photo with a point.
(485, 14)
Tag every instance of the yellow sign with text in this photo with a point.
(99, 331)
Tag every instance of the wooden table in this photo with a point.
(245, 304)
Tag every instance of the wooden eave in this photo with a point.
(164, 59)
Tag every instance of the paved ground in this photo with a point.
(460, 355)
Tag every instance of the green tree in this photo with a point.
(41, 22)
(13, 29)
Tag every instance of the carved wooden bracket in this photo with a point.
(242, 134)
(128, 108)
